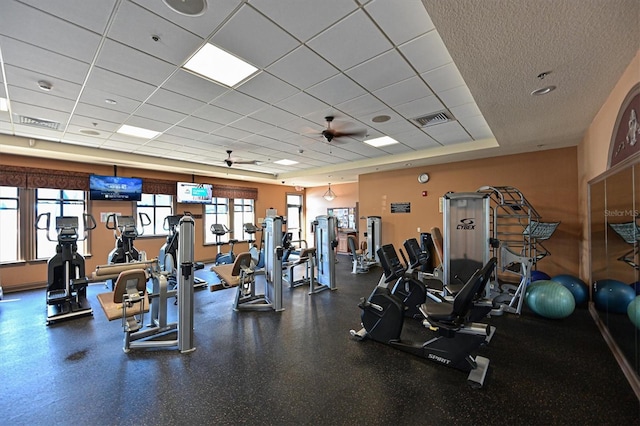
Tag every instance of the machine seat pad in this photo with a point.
(230, 274)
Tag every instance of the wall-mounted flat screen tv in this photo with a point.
(115, 188)
(195, 193)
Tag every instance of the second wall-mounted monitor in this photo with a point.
(194, 193)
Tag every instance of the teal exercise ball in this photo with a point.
(633, 310)
(575, 285)
(613, 296)
(550, 299)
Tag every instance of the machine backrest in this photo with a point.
(131, 280)
(464, 299)
(486, 272)
(417, 257)
(243, 260)
(390, 262)
(351, 241)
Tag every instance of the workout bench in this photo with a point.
(130, 290)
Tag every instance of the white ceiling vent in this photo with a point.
(433, 119)
(38, 122)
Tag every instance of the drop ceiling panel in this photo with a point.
(404, 91)
(249, 124)
(101, 114)
(430, 42)
(35, 132)
(448, 133)
(400, 24)
(357, 37)
(417, 139)
(304, 19)
(79, 139)
(302, 68)
(239, 103)
(135, 26)
(133, 63)
(188, 84)
(443, 78)
(229, 133)
(381, 71)
(361, 106)
(195, 123)
(457, 96)
(261, 51)
(274, 116)
(34, 111)
(217, 114)
(102, 126)
(175, 101)
(92, 15)
(267, 88)
(23, 79)
(42, 61)
(46, 31)
(161, 114)
(465, 110)
(147, 123)
(110, 82)
(99, 98)
(420, 107)
(302, 104)
(336, 89)
(203, 25)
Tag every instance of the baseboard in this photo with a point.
(625, 366)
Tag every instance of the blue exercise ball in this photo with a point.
(539, 276)
(550, 299)
(633, 310)
(613, 296)
(575, 285)
(636, 287)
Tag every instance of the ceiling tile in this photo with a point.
(302, 68)
(420, 107)
(304, 19)
(273, 115)
(267, 88)
(100, 114)
(147, 123)
(203, 25)
(157, 113)
(431, 42)
(98, 98)
(336, 89)
(175, 101)
(239, 103)
(448, 133)
(110, 82)
(28, 80)
(405, 91)
(457, 96)
(401, 24)
(466, 110)
(302, 104)
(443, 78)
(133, 63)
(188, 84)
(35, 111)
(271, 44)
(361, 106)
(416, 139)
(196, 123)
(92, 15)
(39, 99)
(102, 126)
(135, 26)
(216, 114)
(358, 40)
(381, 71)
(249, 125)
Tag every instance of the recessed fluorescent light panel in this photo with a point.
(222, 67)
(137, 132)
(4, 106)
(285, 162)
(383, 141)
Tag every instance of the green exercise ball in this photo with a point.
(633, 310)
(550, 299)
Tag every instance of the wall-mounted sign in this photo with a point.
(625, 140)
(400, 207)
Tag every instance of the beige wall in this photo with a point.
(546, 178)
(593, 151)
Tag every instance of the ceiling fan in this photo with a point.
(331, 133)
(231, 161)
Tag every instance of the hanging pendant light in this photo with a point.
(329, 195)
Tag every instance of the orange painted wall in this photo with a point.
(593, 151)
(546, 178)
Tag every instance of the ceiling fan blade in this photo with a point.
(352, 133)
(254, 162)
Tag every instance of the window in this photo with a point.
(9, 215)
(157, 207)
(58, 202)
(243, 212)
(217, 212)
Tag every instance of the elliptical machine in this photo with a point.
(383, 320)
(125, 232)
(219, 230)
(66, 279)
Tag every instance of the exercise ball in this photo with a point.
(613, 296)
(633, 310)
(636, 287)
(550, 299)
(575, 285)
(539, 276)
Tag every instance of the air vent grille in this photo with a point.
(433, 119)
(38, 122)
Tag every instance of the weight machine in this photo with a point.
(324, 229)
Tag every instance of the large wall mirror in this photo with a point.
(614, 208)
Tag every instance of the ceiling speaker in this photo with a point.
(187, 7)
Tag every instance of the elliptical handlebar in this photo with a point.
(66, 226)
